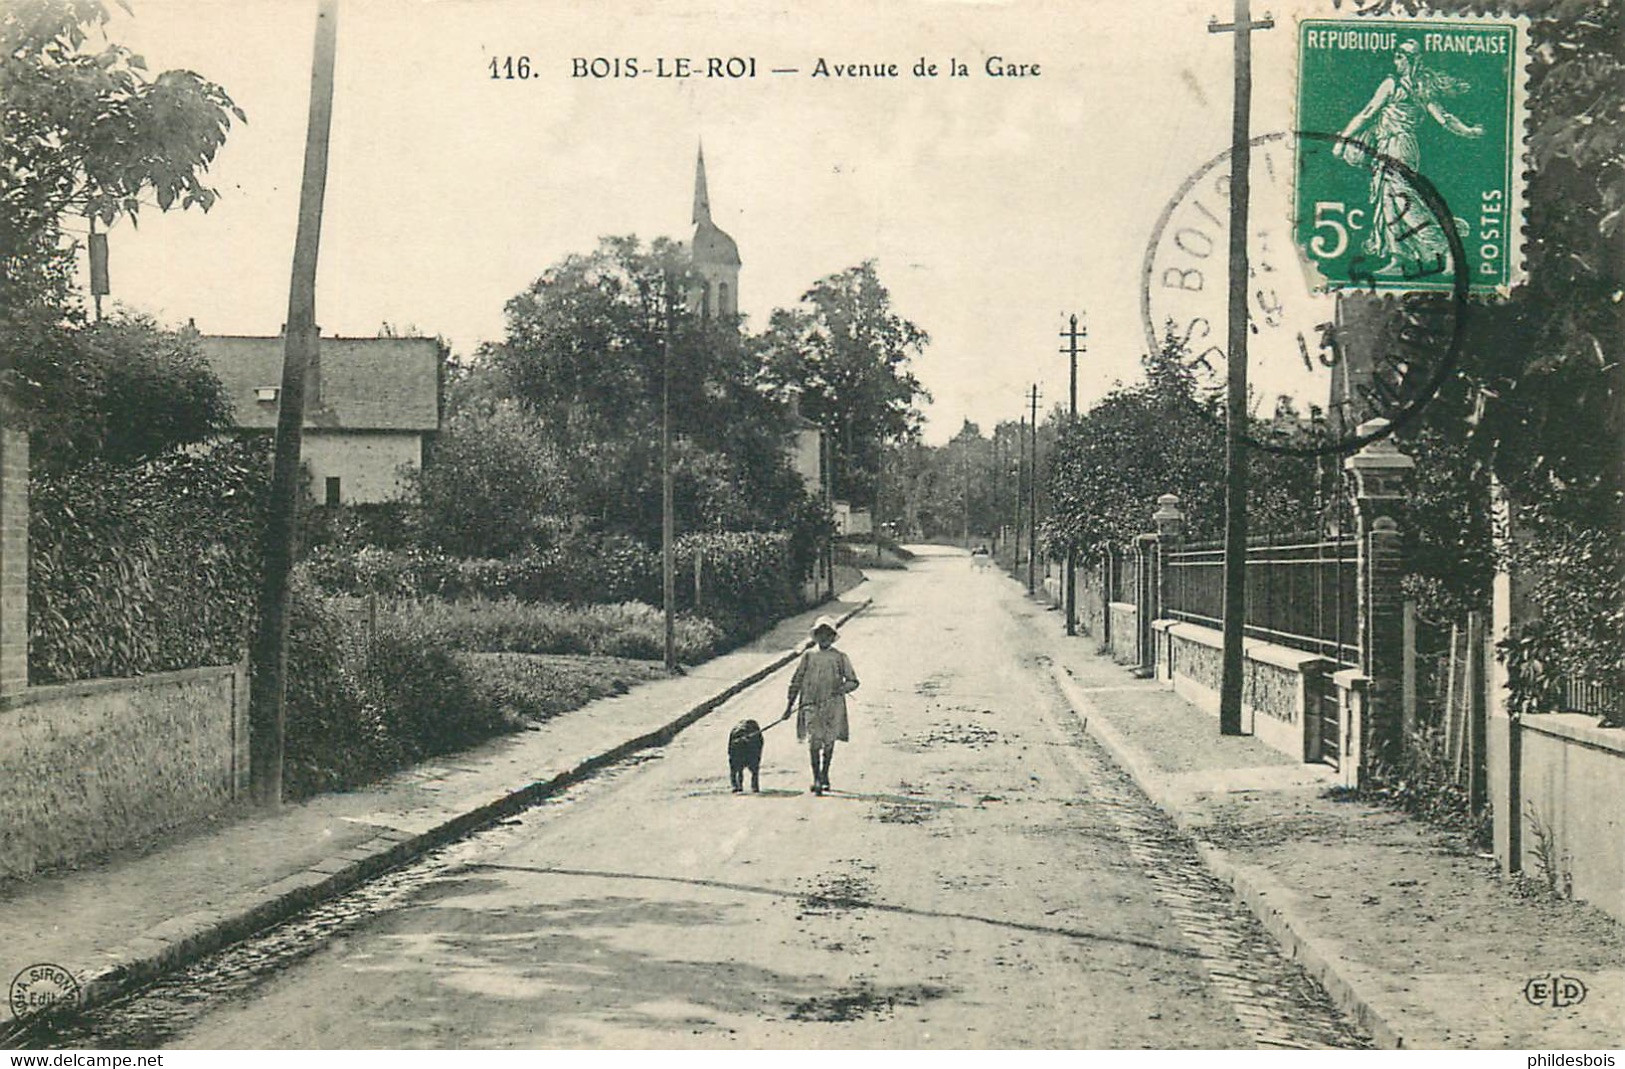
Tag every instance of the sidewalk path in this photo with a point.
(123, 921)
(1421, 940)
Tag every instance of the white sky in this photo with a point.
(993, 206)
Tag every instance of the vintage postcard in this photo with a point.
(468, 468)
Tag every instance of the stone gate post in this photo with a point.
(1381, 472)
(1170, 524)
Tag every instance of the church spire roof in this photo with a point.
(712, 245)
(702, 198)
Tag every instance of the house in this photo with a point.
(372, 406)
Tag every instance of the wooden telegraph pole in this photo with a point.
(268, 677)
(1032, 501)
(1073, 334)
(1235, 445)
(1021, 487)
(668, 521)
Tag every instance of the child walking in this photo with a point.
(823, 679)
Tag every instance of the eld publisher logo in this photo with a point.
(1558, 992)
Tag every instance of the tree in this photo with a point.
(84, 130)
(87, 129)
(1108, 467)
(495, 485)
(584, 354)
(848, 353)
(120, 391)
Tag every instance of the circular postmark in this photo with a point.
(42, 987)
(1330, 355)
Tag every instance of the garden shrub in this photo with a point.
(748, 578)
(1422, 782)
(335, 738)
(426, 701)
(1575, 587)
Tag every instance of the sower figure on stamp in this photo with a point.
(823, 679)
(1386, 129)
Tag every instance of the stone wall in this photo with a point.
(1276, 684)
(1568, 805)
(91, 766)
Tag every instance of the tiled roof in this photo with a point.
(366, 383)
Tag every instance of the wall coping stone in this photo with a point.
(1577, 727)
(1253, 649)
(80, 688)
(1350, 678)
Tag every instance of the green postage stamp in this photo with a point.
(1407, 126)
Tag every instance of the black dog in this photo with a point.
(745, 751)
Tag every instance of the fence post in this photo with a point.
(13, 556)
(1380, 472)
(1108, 594)
(1145, 604)
(1170, 524)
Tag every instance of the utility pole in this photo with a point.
(1021, 486)
(1235, 445)
(668, 522)
(268, 679)
(1072, 335)
(1032, 502)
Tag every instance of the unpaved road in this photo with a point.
(980, 877)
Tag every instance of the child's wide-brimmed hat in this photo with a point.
(825, 623)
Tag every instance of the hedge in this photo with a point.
(143, 569)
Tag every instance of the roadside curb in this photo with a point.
(192, 935)
(1265, 897)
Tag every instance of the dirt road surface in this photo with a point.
(981, 876)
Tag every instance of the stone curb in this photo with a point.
(193, 935)
(1267, 898)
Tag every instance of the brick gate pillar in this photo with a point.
(1380, 474)
(13, 558)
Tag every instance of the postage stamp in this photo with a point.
(1441, 98)
(1325, 363)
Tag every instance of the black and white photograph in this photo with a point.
(776, 525)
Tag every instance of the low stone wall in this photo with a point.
(1276, 684)
(1572, 786)
(91, 766)
(1125, 629)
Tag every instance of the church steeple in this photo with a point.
(714, 255)
(702, 198)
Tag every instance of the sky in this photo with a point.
(993, 206)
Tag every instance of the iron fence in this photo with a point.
(1301, 592)
(1582, 696)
